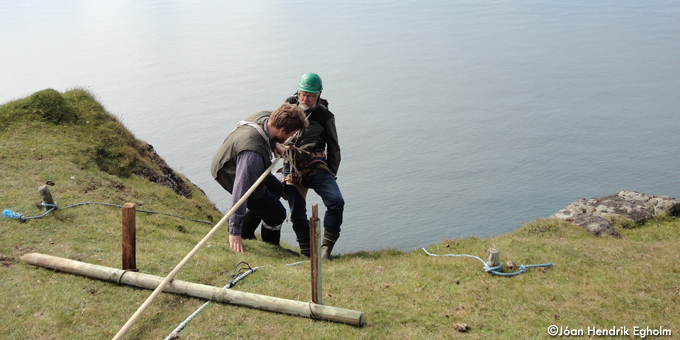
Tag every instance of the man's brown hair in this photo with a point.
(289, 117)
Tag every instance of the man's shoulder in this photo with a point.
(321, 114)
(258, 115)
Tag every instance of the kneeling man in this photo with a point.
(240, 161)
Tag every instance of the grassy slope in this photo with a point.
(595, 282)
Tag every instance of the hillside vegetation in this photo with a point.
(69, 141)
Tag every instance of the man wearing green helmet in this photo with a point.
(312, 161)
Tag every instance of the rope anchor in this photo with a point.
(496, 270)
(48, 201)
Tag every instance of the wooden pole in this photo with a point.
(44, 191)
(191, 254)
(494, 257)
(319, 276)
(129, 237)
(234, 297)
(315, 252)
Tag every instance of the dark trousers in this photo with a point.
(268, 207)
(327, 188)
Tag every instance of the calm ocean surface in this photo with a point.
(455, 118)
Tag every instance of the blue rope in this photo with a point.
(497, 269)
(22, 218)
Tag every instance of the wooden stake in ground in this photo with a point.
(191, 254)
(129, 237)
(45, 194)
(315, 252)
(494, 257)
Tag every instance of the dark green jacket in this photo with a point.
(321, 134)
(242, 138)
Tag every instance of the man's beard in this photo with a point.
(305, 107)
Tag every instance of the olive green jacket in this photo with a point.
(242, 138)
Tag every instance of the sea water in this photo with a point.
(455, 118)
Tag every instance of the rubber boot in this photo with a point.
(250, 223)
(304, 248)
(270, 236)
(329, 239)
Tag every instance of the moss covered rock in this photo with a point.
(49, 105)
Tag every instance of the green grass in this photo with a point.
(598, 282)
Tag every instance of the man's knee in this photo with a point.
(278, 213)
(269, 209)
(274, 186)
(336, 202)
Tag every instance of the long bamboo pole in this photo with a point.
(191, 254)
(234, 297)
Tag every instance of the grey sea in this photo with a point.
(455, 118)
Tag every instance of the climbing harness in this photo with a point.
(254, 126)
(294, 177)
(311, 161)
(53, 207)
(497, 269)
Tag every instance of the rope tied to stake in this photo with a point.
(17, 216)
(497, 269)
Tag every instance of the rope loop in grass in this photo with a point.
(497, 270)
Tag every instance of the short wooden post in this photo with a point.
(315, 252)
(44, 191)
(129, 237)
(494, 257)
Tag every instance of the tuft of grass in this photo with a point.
(621, 222)
(50, 106)
(594, 281)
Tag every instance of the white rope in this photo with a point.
(175, 333)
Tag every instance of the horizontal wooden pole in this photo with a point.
(234, 297)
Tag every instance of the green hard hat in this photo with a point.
(310, 82)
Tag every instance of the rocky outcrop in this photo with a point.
(592, 214)
(166, 177)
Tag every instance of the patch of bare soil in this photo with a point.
(166, 177)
